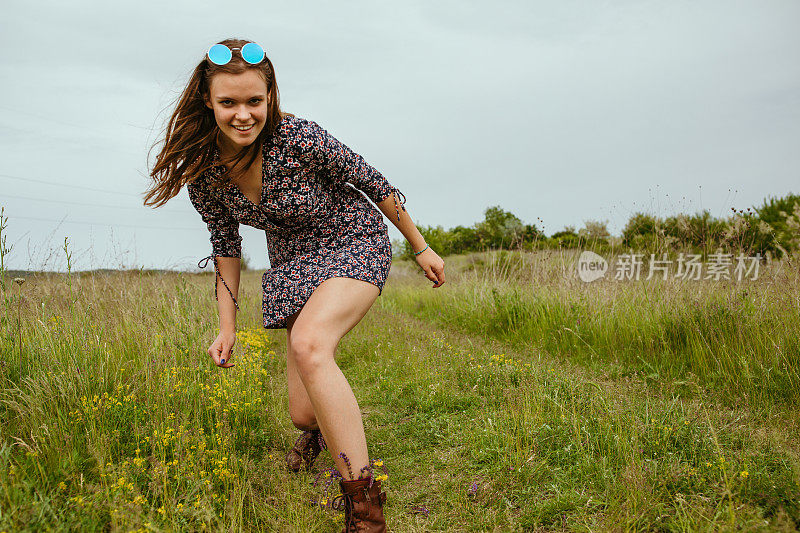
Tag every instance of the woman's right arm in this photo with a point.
(229, 268)
(222, 347)
(226, 246)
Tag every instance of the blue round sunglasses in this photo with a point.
(219, 54)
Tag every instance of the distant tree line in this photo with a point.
(773, 228)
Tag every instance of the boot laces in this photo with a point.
(339, 502)
(343, 502)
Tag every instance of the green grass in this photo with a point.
(736, 338)
(487, 413)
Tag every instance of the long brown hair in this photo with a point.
(192, 133)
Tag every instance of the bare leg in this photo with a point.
(300, 408)
(334, 308)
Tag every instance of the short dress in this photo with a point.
(317, 224)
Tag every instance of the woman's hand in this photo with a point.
(221, 350)
(433, 266)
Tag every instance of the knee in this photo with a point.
(310, 353)
(304, 421)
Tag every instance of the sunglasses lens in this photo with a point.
(219, 54)
(252, 53)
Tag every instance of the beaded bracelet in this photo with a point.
(417, 253)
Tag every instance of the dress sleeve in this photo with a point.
(344, 165)
(223, 227)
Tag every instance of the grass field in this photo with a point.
(514, 398)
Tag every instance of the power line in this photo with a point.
(136, 226)
(68, 185)
(4, 195)
(47, 118)
(83, 128)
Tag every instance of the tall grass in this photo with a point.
(123, 423)
(738, 338)
(113, 418)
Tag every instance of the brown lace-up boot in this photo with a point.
(362, 505)
(305, 450)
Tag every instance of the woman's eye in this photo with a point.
(226, 102)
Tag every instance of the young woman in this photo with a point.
(244, 161)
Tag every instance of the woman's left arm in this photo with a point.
(431, 263)
(343, 165)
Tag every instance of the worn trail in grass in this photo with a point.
(487, 437)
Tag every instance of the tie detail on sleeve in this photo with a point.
(204, 264)
(397, 192)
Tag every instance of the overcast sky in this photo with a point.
(558, 111)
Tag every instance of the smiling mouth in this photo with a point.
(244, 129)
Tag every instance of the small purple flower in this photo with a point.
(473, 489)
(347, 462)
(421, 509)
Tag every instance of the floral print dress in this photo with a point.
(317, 225)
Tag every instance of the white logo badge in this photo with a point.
(591, 266)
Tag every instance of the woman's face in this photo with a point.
(239, 102)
